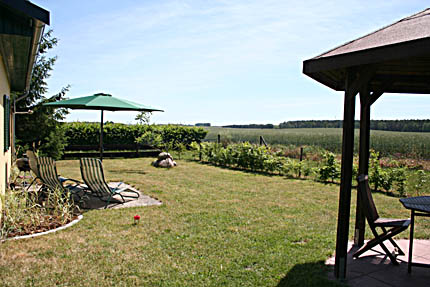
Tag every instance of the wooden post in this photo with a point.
(301, 159)
(346, 177)
(137, 149)
(200, 151)
(363, 164)
(219, 138)
(262, 141)
(366, 100)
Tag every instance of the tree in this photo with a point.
(143, 118)
(41, 129)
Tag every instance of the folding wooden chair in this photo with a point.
(93, 176)
(389, 227)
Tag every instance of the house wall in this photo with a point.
(5, 157)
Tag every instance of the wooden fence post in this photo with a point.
(262, 141)
(301, 159)
(219, 138)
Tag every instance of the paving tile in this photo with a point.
(398, 276)
(366, 281)
(374, 268)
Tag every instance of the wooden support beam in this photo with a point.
(373, 97)
(363, 163)
(366, 100)
(362, 78)
(351, 90)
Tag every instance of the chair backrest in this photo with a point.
(32, 161)
(93, 176)
(369, 207)
(48, 172)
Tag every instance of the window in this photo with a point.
(6, 106)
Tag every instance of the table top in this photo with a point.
(418, 203)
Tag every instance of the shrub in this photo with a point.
(248, 156)
(169, 136)
(386, 179)
(330, 168)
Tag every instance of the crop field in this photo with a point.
(398, 144)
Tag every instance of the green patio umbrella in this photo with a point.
(102, 102)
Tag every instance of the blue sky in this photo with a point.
(223, 62)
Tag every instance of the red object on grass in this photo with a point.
(136, 217)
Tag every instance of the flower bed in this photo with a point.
(26, 213)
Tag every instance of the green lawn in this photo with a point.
(217, 227)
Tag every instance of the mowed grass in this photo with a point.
(388, 143)
(217, 227)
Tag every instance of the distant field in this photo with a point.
(401, 144)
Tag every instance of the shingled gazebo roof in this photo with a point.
(399, 54)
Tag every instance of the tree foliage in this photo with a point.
(143, 118)
(41, 129)
(386, 125)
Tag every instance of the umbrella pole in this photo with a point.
(101, 137)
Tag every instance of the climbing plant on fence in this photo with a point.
(80, 133)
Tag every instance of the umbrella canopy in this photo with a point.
(102, 102)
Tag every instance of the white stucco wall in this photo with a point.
(5, 157)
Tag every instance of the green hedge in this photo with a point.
(80, 133)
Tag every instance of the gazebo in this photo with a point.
(393, 59)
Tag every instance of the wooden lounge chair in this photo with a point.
(93, 176)
(47, 173)
(389, 227)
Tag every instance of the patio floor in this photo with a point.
(374, 268)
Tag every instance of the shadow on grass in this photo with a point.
(286, 176)
(238, 169)
(130, 171)
(308, 274)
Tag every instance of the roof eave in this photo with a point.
(21, 39)
(402, 50)
(320, 68)
(39, 27)
(29, 9)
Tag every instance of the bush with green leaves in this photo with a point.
(165, 136)
(386, 179)
(330, 169)
(249, 157)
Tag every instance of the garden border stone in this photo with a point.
(45, 232)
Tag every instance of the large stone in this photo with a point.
(164, 155)
(164, 160)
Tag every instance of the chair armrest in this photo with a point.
(64, 179)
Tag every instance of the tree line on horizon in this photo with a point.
(385, 125)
